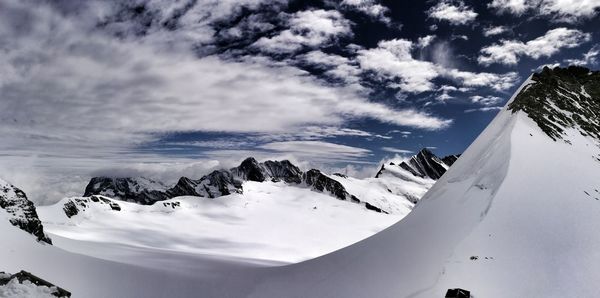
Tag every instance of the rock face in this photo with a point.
(30, 280)
(21, 211)
(215, 184)
(561, 98)
(251, 170)
(76, 205)
(320, 182)
(139, 190)
(218, 183)
(450, 159)
(425, 164)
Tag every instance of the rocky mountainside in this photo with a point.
(138, 189)
(562, 98)
(20, 211)
(225, 182)
(424, 164)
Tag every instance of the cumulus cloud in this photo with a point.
(393, 59)
(508, 51)
(453, 12)
(310, 28)
(494, 30)
(570, 11)
(588, 58)
(371, 8)
(76, 97)
(485, 100)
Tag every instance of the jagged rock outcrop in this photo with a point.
(76, 205)
(425, 164)
(216, 184)
(562, 98)
(252, 170)
(28, 279)
(320, 182)
(450, 159)
(21, 211)
(139, 190)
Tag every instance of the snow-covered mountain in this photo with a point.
(395, 184)
(516, 215)
(301, 214)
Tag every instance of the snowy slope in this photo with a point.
(270, 221)
(516, 216)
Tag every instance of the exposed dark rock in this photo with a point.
(138, 190)
(216, 184)
(562, 98)
(21, 211)
(424, 164)
(457, 293)
(73, 206)
(374, 208)
(70, 209)
(250, 170)
(450, 159)
(340, 175)
(23, 276)
(320, 182)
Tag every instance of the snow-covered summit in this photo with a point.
(562, 98)
(516, 215)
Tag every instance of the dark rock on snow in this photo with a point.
(21, 211)
(26, 276)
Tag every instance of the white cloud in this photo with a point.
(371, 8)
(425, 41)
(310, 28)
(75, 98)
(589, 58)
(508, 51)
(317, 149)
(336, 66)
(495, 30)
(392, 59)
(454, 12)
(517, 7)
(396, 150)
(497, 82)
(485, 100)
(484, 109)
(570, 11)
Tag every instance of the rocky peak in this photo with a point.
(424, 164)
(562, 98)
(250, 170)
(21, 211)
(134, 189)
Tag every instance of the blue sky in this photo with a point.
(169, 88)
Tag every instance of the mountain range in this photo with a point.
(516, 215)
